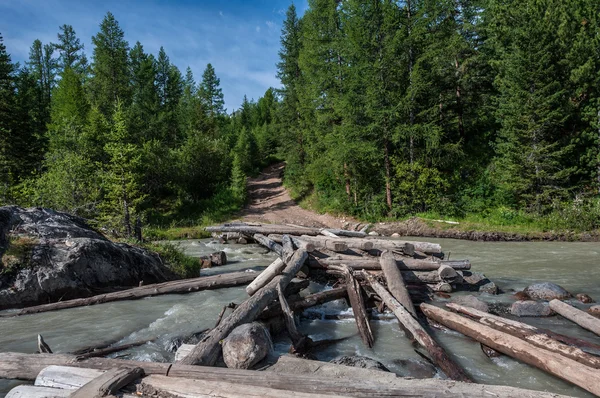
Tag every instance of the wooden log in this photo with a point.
(329, 234)
(443, 287)
(174, 287)
(358, 304)
(37, 392)
(64, 377)
(362, 244)
(288, 247)
(266, 276)
(406, 264)
(525, 329)
(298, 339)
(541, 340)
(418, 333)
(395, 281)
(448, 274)
(344, 232)
(108, 383)
(577, 316)
(178, 387)
(28, 366)
(306, 302)
(208, 349)
(110, 350)
(269, 244)
(553, 363)
(393, 244)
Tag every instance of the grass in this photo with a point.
(175, 259)
(17, 256)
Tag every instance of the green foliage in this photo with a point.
(17, 256)
(175, 259)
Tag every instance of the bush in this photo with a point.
(175, 259)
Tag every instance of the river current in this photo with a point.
(513, 266)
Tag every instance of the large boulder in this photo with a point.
(547, 291)
(358, 361)
(531, 308)
(471, 301)
(48, 256)
(246, 345)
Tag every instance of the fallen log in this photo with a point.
(418, 333)
(208, 349)
(306, 302)
(407, 264)
(361, 244)
(110, 350)
(264, 229)
(174, 287)
(525, 329)
(108, 383)
(298, 339)
(269, 244)
(344, 232)
(553, 363)
(395, 281)
(579, 317)
(328, 233)
(28, 366)
(266, 276)
(448, 274)
(37, 392)
(357, 303)
(528, 334)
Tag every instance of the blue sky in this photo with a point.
(239, 38)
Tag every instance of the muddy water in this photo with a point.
(576, 266)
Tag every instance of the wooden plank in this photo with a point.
(419, 334)
(553, 363)
(579, 317)
(174, 287)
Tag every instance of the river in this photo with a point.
(575, 266)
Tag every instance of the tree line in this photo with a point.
(124, 138)
(391, 108)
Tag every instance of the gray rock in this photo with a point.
(395, 235)
(594, 310)
(66, 259)
(246, 345)
(358, 361)
(489, 288)
(531, 308)
(471, 301)
(415, 368)
(373, 233)
(547, 291)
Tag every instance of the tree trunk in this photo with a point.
(419, 334)
(555, 364)
(579, 317)
(108, 383)
(269, 244)
(395, 281)
(407, 264)
(208, 349)
(266, 276)
(303, 303)
(174, 287)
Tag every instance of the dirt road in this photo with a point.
(270, 202)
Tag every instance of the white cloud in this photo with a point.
(258, 28)
(271, 24)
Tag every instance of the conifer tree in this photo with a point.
(211, 93)
(7, 122)
(110, 71)
(70, 50)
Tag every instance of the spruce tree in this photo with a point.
(110, 71)
(211, 93)
(7, 123)
(70, 50)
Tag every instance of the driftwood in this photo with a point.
(579, 317)
(265, 277)
(174, 287)
(344, 232)
(319, 241)
(264, 229)
(418, 333)
(25, 391)
(525, 329)
(328, 233)
(357, 302)
(269, 244)
(298, 339)
(448, 274)
(28, 366)
(305, 302)
(551, 362)
(395, 281)
(101, 352)
(222, 313)
(108, 383)
(208, 349)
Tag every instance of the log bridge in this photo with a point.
(370, 273)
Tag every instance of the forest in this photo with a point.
(387, 109)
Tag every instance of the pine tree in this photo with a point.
(110, 71)
(211, 93)
(122, 186)
(70, 49)
(145, 99)
(7, 122)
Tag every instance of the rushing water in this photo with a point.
(512, 266)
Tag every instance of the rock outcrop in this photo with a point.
(48, 256)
